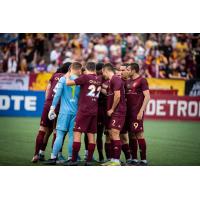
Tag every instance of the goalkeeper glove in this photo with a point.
(52, 114)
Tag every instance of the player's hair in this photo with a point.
(99, 66)
(64, 68)
(135, 66)
(90, 66)
(126, 64)
(76, 66)
(109, 67)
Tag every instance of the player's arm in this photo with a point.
(117, 94)
(47, 90)
(58, 92)
(146, 94)
(115, 102)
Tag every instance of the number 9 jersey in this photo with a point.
(90, 87)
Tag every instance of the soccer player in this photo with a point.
(100, 120)
(86, 118)
(69, 96)
(123, 74)
(137, 95)
(46, 126)
(116, 111)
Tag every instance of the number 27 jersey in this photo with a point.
(90, 87)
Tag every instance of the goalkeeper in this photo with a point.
(68, 96)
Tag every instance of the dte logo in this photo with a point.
(28, 102)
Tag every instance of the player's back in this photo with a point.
(70, 97)
(90, 87)
(53, 81)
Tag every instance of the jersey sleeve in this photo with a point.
(81, 80)
(58, 91)
(144, 84)
(116, 83)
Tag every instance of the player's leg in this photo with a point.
(56, 147)
(38, 143)
(99, 141)
(91, 146)
(45, 141)
(70, 137)
(142, 146)
(108, 148)
(125, 146)
(133, 144)
(116, 146)
(86, 146)
(76, 146)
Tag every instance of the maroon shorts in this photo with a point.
(125, 127)
(115, 122)
(85, 123)
(51, 124)
(44, 118)
(134, 125)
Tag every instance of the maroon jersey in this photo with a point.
(53, 81)
(134, 94)
(89, 94)
(116, 84)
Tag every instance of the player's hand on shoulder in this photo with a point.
(52, 114)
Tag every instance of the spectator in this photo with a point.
(41, 66)
(52, 68)
(12, 64)
(100, 50)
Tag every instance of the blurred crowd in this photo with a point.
(159, 55)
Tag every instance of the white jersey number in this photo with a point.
(93, 90)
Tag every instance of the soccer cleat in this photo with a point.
(61, 159)
(111, 163)
(129, 162)
(41, 157)
(143, 163)
(89, 163)
(134, 162)
(71, 163)
(50, 162)
(105, 162)
(35, 159)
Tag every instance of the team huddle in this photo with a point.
(96, 100)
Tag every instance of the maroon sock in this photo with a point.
(108, 150)
(44, 143)
(133, 148)
(76, 149)
(91, 148)
(53, 139)
(116, 149)
(126, 150)
(142, 146)
(39, 141)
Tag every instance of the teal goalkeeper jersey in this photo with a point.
(68, 96)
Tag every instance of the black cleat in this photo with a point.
(50, 162)
(41, 157)
(143, 163)
(70, 163)
(134, 163)
(89, 163)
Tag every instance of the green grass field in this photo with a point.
(169, 142)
